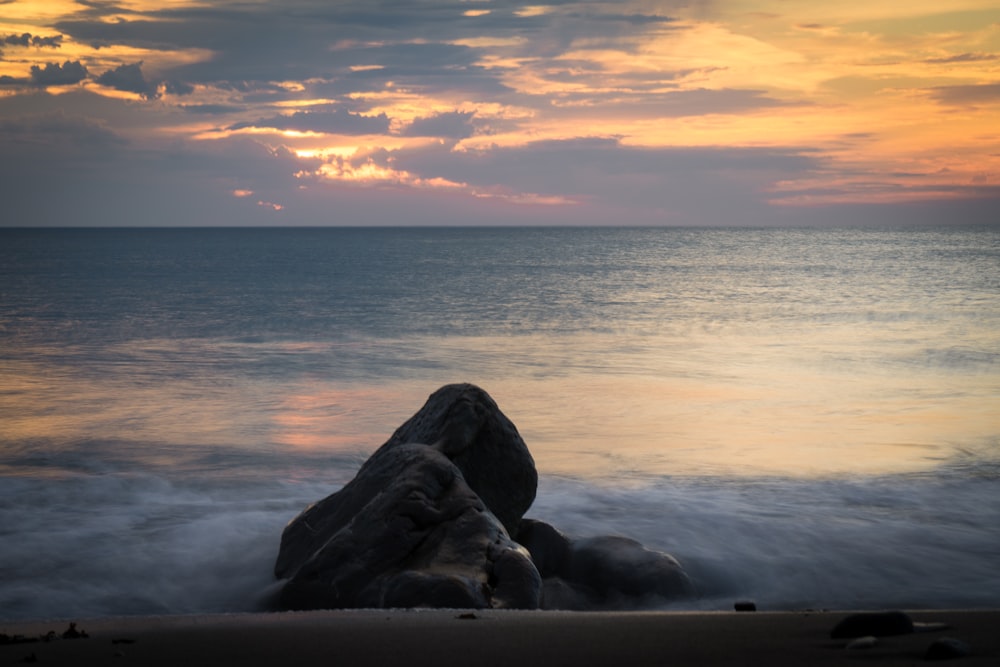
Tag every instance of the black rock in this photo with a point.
(875, 624)
(549, 548)
(465, 423)
(616, 565)
(946, 648)
(601, 572)
(72, 633)
(462, 422)
(406, 532)
(428, 522)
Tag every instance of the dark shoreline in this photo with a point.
(491, 637)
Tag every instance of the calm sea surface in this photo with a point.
(807, 418)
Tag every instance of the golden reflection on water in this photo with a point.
(731, 406)
(320, 416)
(39, 406)
(653, 427)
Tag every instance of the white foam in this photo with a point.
(112, 544)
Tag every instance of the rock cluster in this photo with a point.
(865, 629)
(434, 519)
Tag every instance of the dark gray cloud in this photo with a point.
(560, 164)
(337, 50)
(101, 8)
(424, 67)
(212, 109)
(127, 118)
(175, 87)
(27, 39)
(339, 121)
(977, 206)
(128, 78)
(671, 104)
(365, 55)
(54, 74)
(250, 42)
(101, 179)
(963, 58)
(591, 29)
(449, 125)
(987, 93)
(305, 40)
(17, 40)
(58, 132)
(717, 183)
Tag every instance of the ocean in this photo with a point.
(806, 418)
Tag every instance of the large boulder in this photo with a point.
(428, 522)
(412, 529)
(418, 537)
(465, 423)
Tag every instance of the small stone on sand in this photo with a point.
(946, 648)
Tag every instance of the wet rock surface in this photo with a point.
(464, 422)
(409, 532)
(604, 572)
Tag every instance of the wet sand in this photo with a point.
(510, 638)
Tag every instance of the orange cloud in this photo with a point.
(898, 101)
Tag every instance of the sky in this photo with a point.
(463, 112)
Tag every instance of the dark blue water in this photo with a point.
(803, 417)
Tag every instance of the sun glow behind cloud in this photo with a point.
(858, 102)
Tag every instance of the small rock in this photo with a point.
(946, 648)
(877, 624)
(616, 566)
(745, 605)
(549, 548)
(73, 633)
(862, 643)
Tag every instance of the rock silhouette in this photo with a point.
(465, 423)
(608, 571)
(434, 519)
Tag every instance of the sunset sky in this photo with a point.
(361, 112)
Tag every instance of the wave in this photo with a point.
(125, 543)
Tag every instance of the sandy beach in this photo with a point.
(489, 637)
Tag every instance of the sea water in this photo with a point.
(809, 418)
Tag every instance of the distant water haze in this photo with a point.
(805, 417)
